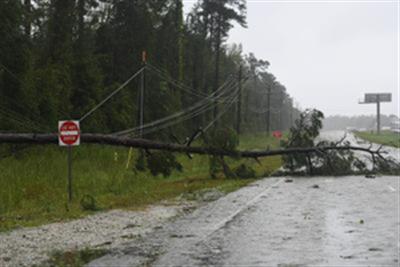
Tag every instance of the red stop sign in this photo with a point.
(68, 133)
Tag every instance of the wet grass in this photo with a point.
(33, 181)
(76, 258)
(387, 138)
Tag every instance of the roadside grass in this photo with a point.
(385, 138)
(33, 182)
(76, 258)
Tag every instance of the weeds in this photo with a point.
(385, 138)
(33, 184)
(76, 258)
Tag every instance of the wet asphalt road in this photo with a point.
(319, 221)
(347, 221)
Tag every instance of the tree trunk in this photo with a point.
(81, 24)
(108, 139)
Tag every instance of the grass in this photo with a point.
(385, 138)
(75, 258)
(33, 182)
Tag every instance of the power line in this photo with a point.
(195, 108)
(21, 121)
(186, 118)
(230, 100)
(177, 84)
(21, 117)
(11, 73)
(111, 95)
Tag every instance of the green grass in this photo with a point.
(74, 258)
(33, 182)
(385, 138)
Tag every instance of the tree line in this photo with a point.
(59, 58)
(362, 122)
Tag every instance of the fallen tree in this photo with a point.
(106, 139)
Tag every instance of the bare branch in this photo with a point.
(342, 139)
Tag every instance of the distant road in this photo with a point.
(392, 152)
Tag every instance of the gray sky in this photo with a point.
(327, 53)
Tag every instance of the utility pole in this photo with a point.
(239, 103)
(142, 94)
(291, 114)
(269, 110)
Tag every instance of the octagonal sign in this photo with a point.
(69, 133)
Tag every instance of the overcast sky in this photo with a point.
(327, 53)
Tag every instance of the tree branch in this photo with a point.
(106, 139)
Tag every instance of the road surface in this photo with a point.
(319, 221)
(310, 221)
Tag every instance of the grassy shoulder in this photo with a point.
(33, 182)
(387, 138)
(74, 258)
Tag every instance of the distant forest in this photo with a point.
(59, 58)
(360, 122)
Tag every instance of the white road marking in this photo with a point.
(229, 218)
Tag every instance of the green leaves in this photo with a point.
(225, 139)
(302, 134)
(157, 162)
(162, 162)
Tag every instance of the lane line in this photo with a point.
(229, 218)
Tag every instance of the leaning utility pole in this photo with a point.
(239, 103)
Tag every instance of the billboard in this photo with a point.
(374, 97)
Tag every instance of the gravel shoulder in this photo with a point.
(105, 230)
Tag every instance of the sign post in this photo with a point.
(377, 98)
(69, 135)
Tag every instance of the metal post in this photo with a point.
(378, 115)
(239, 103)
(69, 173)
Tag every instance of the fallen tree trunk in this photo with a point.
(106, 139)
